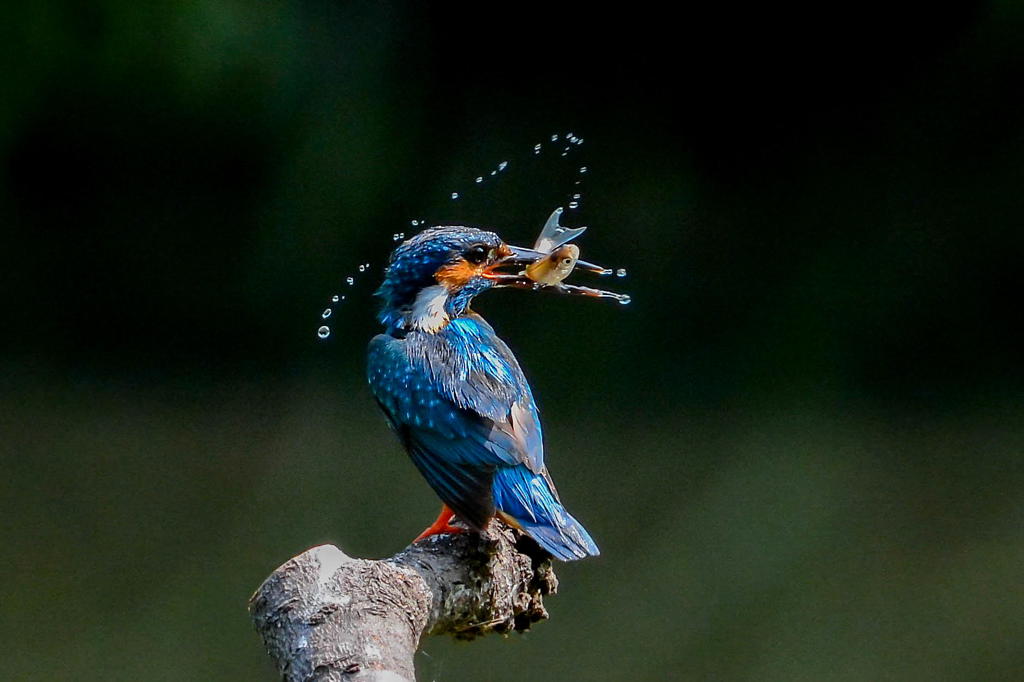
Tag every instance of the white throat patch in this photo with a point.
(428, 312)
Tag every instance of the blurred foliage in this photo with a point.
(799, 448)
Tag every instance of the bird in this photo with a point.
(455, 394)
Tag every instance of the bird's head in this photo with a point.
(432, 277)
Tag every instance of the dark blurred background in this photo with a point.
(799, 448)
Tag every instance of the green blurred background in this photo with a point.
(799, 448)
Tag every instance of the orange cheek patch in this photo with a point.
(456, 275)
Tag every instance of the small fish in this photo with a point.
(554, 267)
(552, 260)
(559, 258)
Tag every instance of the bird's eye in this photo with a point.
(567, 261)
(478, 254)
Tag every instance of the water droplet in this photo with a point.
(343, 298)
(326, 313)
(395, 237)
(575, 196)
(334, 299)
(579, 140)
(350, 280)
(583, 169)
(479, 178)
(503, 165)
(494, 172)
(570, 135)
(574, 204)
(455, 195)
(624, 299)
(415, 223)
(536, 148)
(554, 138)
(621, 272)
(401, 235)
(323, 332)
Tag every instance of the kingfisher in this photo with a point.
(455, 394)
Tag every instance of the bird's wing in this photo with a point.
(486, 379)
(460, 415)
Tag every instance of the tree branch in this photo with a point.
(325, 616)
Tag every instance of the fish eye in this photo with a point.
(477, 254)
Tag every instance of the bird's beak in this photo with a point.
(517, 258)
(520, 255)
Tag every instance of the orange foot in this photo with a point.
(442, 525)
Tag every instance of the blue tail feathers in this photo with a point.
(527, 498)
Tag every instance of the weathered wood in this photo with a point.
(326, 616)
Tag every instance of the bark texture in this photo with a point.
(326, 616)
